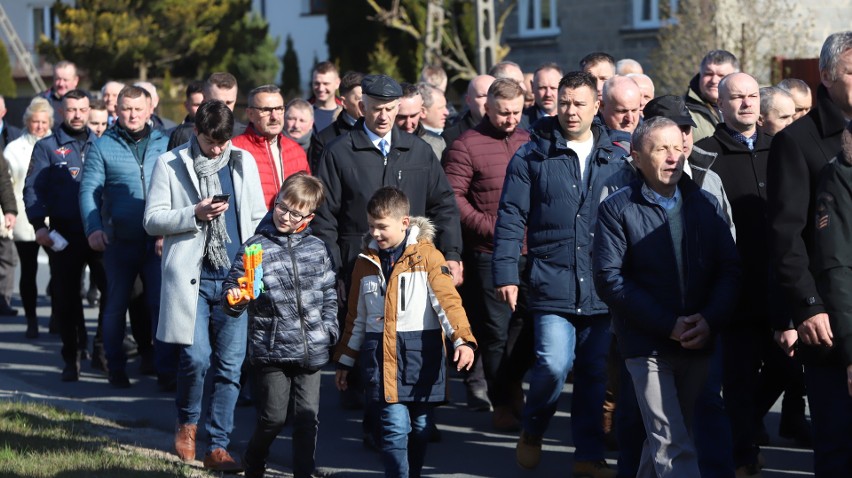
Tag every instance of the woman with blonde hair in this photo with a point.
(38, 120)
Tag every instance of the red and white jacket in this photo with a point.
(292, 159)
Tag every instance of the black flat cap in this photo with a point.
(381, 86)
(671, 107)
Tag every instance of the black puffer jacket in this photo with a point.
(294, 321)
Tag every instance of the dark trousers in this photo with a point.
(272, 391)
(65, 269)
(831, 415)
(505, 338)
(28, 258)
(742, 357)
(779, 374)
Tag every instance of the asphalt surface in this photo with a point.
(30, 370)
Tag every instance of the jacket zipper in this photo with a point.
(298, 296)
(402, 292)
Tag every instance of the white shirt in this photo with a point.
(376, 138)
(583, 150)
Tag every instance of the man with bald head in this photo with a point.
(742, 150)
(474, 100)
(801, 93)
(646, 88)
(620, 109)
(545, 87)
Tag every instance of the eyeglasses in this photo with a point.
(267, 110)
(294, 215)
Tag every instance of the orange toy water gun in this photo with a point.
(251, 284)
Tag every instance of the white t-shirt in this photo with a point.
(583, 150)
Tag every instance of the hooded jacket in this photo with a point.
(395, 326)
(294, 321)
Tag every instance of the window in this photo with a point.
(314, 7)
(537, 18)
(44, 22)
(652, 13)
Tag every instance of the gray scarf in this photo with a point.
(304, 141)
(207, 170)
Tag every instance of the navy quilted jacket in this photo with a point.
(294, 321)
(544, 193)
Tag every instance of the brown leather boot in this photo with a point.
(185, 441)
(503, 420)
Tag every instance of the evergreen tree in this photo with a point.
(290, 76)
(7, 83)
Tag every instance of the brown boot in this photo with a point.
(185, 441)
(503, 419)
(220, 460)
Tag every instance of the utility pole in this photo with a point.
(486, 43)
(434, 27)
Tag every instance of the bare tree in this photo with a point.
(453, 44)
(754, 31)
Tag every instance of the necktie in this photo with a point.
(383, 147)
(750, 144)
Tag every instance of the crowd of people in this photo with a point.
(682, 259)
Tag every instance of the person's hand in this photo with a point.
(849, 379)
(816, 330)
(43, 237)
(236, 297)
(679, 328)
(98, 241)
(457, 270)
(207, 210)
(340, 379)
(463, 357)
(786, 339)
(697, 333)
(158, 246)
(10, 220)
(508, 294)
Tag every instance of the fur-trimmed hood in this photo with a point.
(421, 229)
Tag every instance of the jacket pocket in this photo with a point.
(421, 362)
(552, 274)
(370, 360)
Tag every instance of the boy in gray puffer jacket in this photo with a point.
(292, 323)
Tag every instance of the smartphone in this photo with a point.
(221, 198)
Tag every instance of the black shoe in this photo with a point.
(99, 361)
(71, 372)
(32, 328)
(94, 297)
(130, 347)
(434, 434)
(146, 363)
(166, 382)
(118, 379)
(797, 429)
(477, 400)
(7, 311)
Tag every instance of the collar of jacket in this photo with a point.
(118, 133)
(258, 139)
(63, 138)
(828, 117)
(421, 229)
(547, 135)
(694, 100)
(731, 145)
(488, 129)
(687, 187)
(399, 139)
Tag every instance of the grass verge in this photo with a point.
(42, 441)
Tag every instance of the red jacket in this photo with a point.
(293, 159)
(475, 165)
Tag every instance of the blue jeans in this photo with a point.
(124, 261)
(563, 342)
(219, 341)
(404, 437)
(831, 415)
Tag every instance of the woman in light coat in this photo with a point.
(38, 119)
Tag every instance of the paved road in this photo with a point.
(30, 368)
